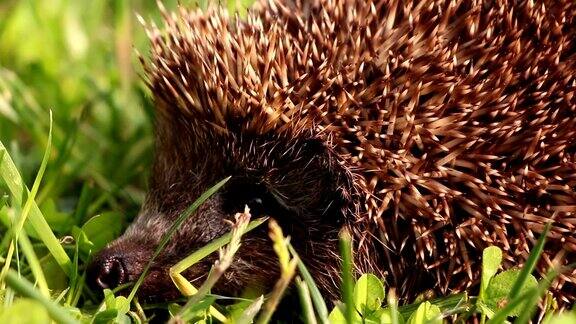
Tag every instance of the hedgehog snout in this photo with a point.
(118, 263)
(107, 273)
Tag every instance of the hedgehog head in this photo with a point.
(227, 107)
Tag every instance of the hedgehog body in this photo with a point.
(429, 129)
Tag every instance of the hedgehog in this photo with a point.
(430, 130)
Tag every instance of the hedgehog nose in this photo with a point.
(107, 274)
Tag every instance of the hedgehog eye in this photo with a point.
(260, 201)
(256, 205)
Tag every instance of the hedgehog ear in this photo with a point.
(336, 183)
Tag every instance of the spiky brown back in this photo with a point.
(456, 118)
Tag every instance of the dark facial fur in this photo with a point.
(296, 182)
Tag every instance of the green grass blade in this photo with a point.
(393, 306)
(347, 275)
(83, 204)
(531, 303)
(530, 263)
(287, 272)
(64, 149)
(2, 153)
(212, 247)
(25, 288)
(305, 301)
(444, 303)
(173, 229)
(34, 263)
(73, 280)
(27, 248)
(8, 297)
(220, 267)
(10, 175)
(317, 297)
